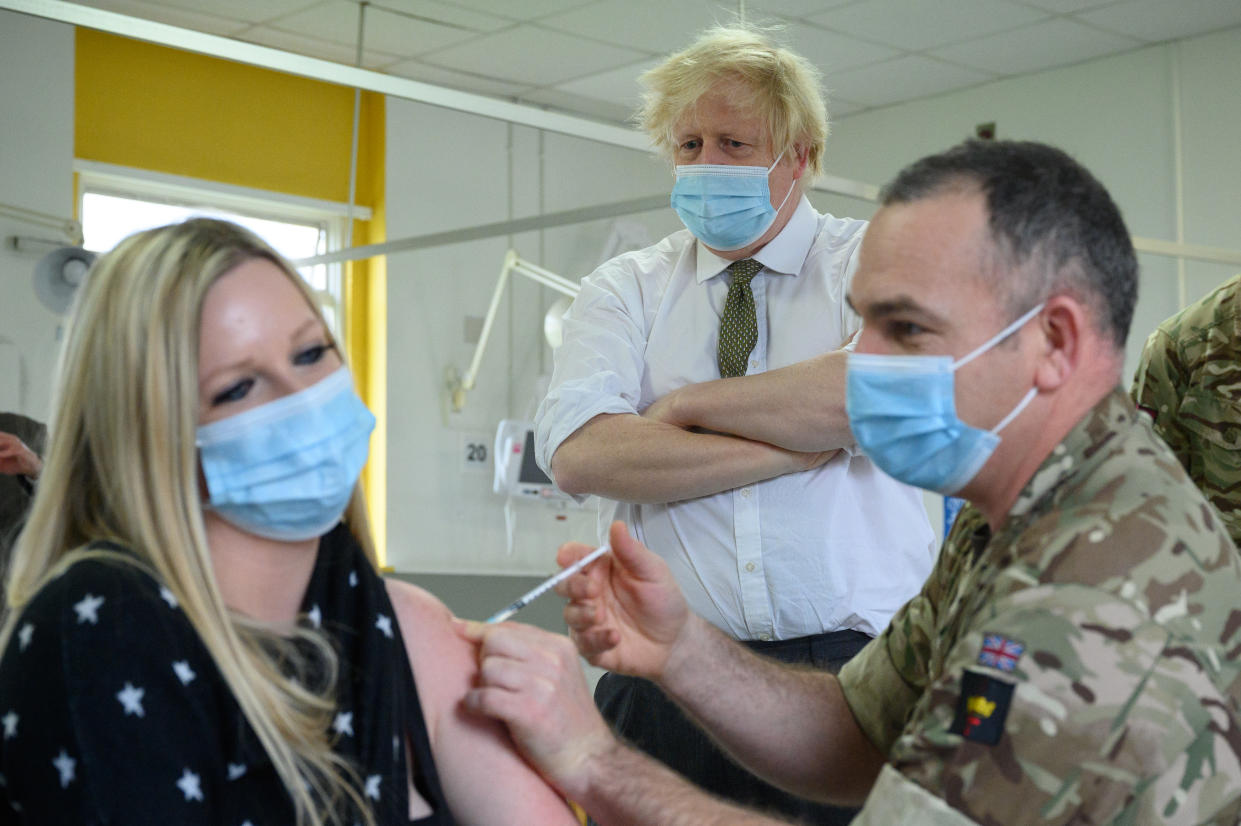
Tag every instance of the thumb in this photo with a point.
(469, 630)
(632, 556)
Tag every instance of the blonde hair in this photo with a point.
(781, 88)
(122, 466)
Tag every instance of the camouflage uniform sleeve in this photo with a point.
(1063, 704)
(1158, 386)
(1189, 381)
(884, 681)
(878, 694)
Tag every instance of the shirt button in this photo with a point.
(750, 566)
(746, 492)
(765, 637)
(754, 364)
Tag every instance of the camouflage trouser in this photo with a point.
(641, 714)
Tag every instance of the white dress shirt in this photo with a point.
(839, 547)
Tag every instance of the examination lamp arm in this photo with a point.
(512, 263)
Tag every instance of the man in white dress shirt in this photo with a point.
(687, 378)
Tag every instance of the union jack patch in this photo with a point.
(1000, 652)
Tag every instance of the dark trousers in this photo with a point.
(640, 713)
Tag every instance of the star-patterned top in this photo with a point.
(112, 710)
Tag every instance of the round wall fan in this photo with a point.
(58, 275)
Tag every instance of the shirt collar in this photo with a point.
(786, 253)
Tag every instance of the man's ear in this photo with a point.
(1063, 325)
(802, 154)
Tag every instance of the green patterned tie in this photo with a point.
(739, 324)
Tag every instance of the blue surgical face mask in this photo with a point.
(902, 410)
(286, 469)
(726, 207)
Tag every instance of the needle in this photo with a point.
(552, 582)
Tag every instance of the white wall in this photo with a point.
(36, 173)
(1115, 115)
(1210, 71)
(448, 170)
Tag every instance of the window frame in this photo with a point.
(177, 190)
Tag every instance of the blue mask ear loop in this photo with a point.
(1016, 411)
(792, 183)
(991, 342)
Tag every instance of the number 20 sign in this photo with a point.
(475, 452)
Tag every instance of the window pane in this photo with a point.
(107, 219)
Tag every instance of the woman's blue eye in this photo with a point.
(234, 393)
(312, 355)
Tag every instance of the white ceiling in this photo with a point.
(583, 56)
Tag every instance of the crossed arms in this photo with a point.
(713, 436)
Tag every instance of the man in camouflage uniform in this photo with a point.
(1074, 656)
(1189, 381)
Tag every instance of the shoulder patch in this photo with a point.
(1000, 652)
(982, 709)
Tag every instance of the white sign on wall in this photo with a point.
(475, 451)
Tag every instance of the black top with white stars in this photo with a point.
(112, 711)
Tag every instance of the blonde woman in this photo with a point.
(197, 633)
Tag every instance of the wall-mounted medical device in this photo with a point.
(516, 472)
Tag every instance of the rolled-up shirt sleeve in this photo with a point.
(851, 325)
(850, 322)
(887, 678)
(599, 368)
(878, 694)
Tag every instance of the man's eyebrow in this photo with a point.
(894, 306)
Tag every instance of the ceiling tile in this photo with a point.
(790, 8)
(576, 104)
(171, 15)
(618, 87)
(1156, 20)
(904, 78)
(648, 25)
(521, 9)
(528, 54)
(925, 24)
(313, 47)
(1067, 6)
(1056, 42)
(833, 52)
(245, 10)
(416, 70)
(447, 13)
(585, 55)
(337, 21)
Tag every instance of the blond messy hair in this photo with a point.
(122, 466)
(780, 87)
